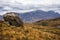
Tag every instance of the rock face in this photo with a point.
(13, 19)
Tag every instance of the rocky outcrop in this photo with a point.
(13, 19)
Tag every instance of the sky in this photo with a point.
(22, 6)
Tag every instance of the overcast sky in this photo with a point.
(28, 5)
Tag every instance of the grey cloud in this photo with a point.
(19, 6)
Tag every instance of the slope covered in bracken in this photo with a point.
(30, 31)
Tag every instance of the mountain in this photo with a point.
(38, 15)
(1, 17)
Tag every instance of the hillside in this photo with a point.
(30, 31)
(49, 22)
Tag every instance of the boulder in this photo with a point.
(13, 19)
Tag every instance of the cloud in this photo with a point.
(29, 5)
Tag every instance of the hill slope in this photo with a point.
(49, 22)
(28, 32)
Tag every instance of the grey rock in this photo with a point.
(13, 19)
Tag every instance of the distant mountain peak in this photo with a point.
(39, 15)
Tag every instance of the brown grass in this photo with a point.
(28, 32)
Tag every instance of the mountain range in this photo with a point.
(37, 15)
(1, 17)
